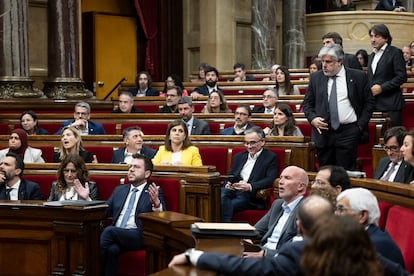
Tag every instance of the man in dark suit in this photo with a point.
(82, 121)
(124, 206)
(386, 73)
(389, 5)
(334, 176)
(393, 168)
(211, 75)
(362, 205)
(172, 96)
(12, 186)
(240, 73)
(251, 170)
(133, 140)
(338, 124)
(242, 116)
(195, 126)
(143, 82)
(270, 98)
(126, 104)
(350, 60)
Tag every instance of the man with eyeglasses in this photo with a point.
(242, 117)
(82, 121)
(172, 96)
(124, 206)
(334, 176)
(270, 98)
(251, 170)
(393, 168)
(362, 205)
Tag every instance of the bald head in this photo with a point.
(310, 209)
(292, 184)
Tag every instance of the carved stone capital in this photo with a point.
(66, 88)
(18, 87)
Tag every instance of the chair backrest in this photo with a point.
(47, 153)
(171, 190)
(103, 153)
(44, 181)
(106, 185)
(110, 128)
(216, 156)
(4, 129)
(148, 128)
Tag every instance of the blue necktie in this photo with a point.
(333, 106)
(129, 208)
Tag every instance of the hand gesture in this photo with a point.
(83, 192)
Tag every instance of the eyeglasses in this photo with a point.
(81, 113)
(268, 97)
(251, 143)
(318, 182)
(391, 148)
(69, 171)
(171, 95)
(341, 209)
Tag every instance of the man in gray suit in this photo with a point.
(393, 168)
(195, 126)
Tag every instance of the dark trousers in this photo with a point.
(114, 241)
(395, 117)
(339, 147)
(235, 201)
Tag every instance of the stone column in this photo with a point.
(293, 33)
(264, 29)
(63, 52)
(14, 54)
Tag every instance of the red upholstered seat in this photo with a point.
(103, 153)
(110, 128)
(216, 156)
(400, 222)
(364, 155)
(4, 129)
(384, 208)
(106, 185)
(148, 128)
(306, 129)
(44, 181)
(149, 108)
(47, 153)
(408, 115)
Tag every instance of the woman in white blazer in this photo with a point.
(18, 144)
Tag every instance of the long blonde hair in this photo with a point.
(78, 146)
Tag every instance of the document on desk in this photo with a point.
(82, 203)
(224, 226)
(218, 230)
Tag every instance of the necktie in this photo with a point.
(268, 111)
(129, 208)
(8, 190)
(386, 177)
(333, 106)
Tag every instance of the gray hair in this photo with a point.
(334, 50)
(84, 105)
(185, 100)
(361, 199)
(273, 90)
(258, 130)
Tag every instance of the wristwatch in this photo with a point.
(187, 255)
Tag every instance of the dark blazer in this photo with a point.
(386, 5)
(117, 200)
(86, 155)
(401, 174)
(94, 128)
(133, 110)
(118, 155)
(230, 130)
(41, 131)
(266, 225)
(390, 74)
(149, 92)
(28, 190)
(315, 103)
(167, 109)
(351, 61)
(200, 127)
(385, 245)
(55, 195)
(204, 90)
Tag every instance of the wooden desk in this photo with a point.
(39, 240)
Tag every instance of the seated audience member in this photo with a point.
(12, 185)
(407, 149)
(251, 170)
(333, 176)
(143, 82)
(194, 125)
(349, 60)
(71, 143)
(212, 76)
(174, 80)
(339, 246)
(124, 206)
(29, 122)
(407, 55)
(272, 76)
(393, 168)
(126, 104)
(362, 205)
(242, 116)
(172, 97)
(240, 73)
(72, 181)
(315, 66)
(390, 5)
(283, 123)
(18, 144)
(216, 103)
(362, 57)
(201, 73)
(328, 192)
(270, 98)
(283, 84)
(177, 149)
(134, 141)
(82, 121)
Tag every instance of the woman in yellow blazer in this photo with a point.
(177, 149)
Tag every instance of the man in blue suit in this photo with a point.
(82, 121)
(362, 204)
(242, 116)
(133, 139)
(124, 206)
(12, 186)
